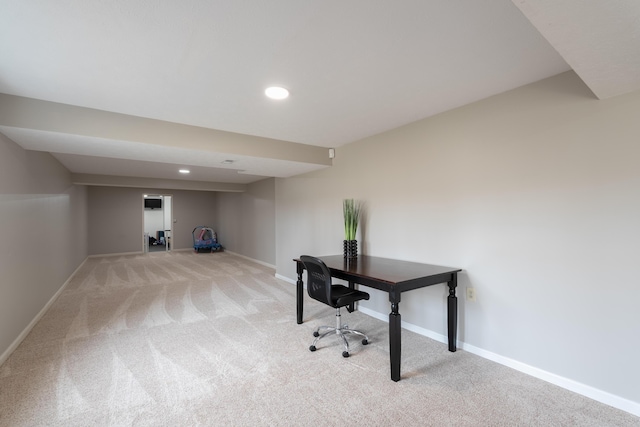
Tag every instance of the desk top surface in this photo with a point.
(384, 269)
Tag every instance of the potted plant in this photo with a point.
(351, 210)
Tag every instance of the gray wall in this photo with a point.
(44, 235)
(116, 217)
(246, 221)
(535, 193)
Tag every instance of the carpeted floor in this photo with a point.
(184, 339)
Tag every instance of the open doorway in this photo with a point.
(157, 222)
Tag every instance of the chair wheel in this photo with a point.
(316, 334)
(345, 354)
(365, 342)
(312, 348)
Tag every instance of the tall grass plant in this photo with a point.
(352, 210)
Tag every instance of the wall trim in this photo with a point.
(286, 279)
(137, 253)
(566, 383)
(30, 326)
(257, 261)
(116, 254)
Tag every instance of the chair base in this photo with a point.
(339, 329)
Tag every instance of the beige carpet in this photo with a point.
(183, 339)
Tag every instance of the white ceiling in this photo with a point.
(354, 69)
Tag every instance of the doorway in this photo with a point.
(157, 222)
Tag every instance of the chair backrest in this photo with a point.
(318, 279)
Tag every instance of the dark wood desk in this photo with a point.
(394, 277)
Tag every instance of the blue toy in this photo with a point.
(205, 239)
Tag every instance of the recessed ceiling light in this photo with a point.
(185, 171)
(276, 92)
(227, 162)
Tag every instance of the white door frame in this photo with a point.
(145, 237)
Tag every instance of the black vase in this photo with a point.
(350, 248)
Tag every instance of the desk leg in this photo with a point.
(351, 307)
(395, 345)
(299, 293)
(452, 312)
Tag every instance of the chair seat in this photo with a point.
(342, 296)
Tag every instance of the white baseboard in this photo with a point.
(286, 279)
(25, 332)
(138, 253)
(566, 383)
(116, 254)
(257, 261)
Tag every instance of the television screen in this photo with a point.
(152, 203)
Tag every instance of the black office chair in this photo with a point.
(320, 288)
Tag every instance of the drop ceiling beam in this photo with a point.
(27, 113)
(164, 184)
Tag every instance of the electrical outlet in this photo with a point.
(471, 294)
